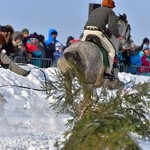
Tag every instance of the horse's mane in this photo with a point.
(122, 17)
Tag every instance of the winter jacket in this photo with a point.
(145, 60)
(33, 49)
(136, 59)
(145, 64)
(50, 38)
(102, 16)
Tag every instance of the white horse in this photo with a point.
(86, 59)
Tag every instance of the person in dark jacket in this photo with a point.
(7, 63)
(97, 23)
(50, 43)
(145, 43)
(7, 33)
(41, 44)
(68, 42)
(25, 33)
(18, 48)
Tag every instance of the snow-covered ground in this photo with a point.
(26, 120)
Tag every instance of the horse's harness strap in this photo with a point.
(94, 28)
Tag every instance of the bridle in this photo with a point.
(126, 34)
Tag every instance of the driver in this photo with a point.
(102, 20)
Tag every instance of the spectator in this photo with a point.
(5, 32)
(9, 34)
(70, 40)
(42, 45)
(135, 58)
(32, 46)
(25, 33)
(50, 43)
(33, 49)
(145, 59)
(52, 35)
(58, 53)
(10, 29)
(7, 63)
(124, 57)
(18, 48)
(9, 39)
(68, 43)
(145, 43)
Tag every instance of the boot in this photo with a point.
(113, 84)
(111, 80)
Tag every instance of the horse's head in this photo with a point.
(124, 30)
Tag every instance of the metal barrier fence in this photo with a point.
(47, 62)
(40, 62)
(138, 70)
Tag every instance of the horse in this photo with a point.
(87, 58)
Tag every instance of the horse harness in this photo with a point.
(96, 40)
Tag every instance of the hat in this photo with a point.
(145, 40)
(108, 3)
(145, 48)
(2, 40)
(3, 29)
(73, 41)
(17, 35)
(25, 30)
(10, 28)
(33, 36)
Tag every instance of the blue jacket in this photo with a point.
(50, 38)
(136, 59)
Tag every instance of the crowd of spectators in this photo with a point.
(136, 56)
(34, 45)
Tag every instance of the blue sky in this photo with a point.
(69, 16)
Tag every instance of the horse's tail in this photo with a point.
(75, 58)
(72, 56)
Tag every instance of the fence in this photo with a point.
(47, 62)
(40, 62)
(138, 70)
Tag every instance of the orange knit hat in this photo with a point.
(108, 3)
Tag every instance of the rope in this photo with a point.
(22, 87)
(35, 67)
(46, 81)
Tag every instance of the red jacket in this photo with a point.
(145, 64)
(145, 61)
(31, 47)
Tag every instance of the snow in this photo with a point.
(26, 120)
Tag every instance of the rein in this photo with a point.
(128, 28)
